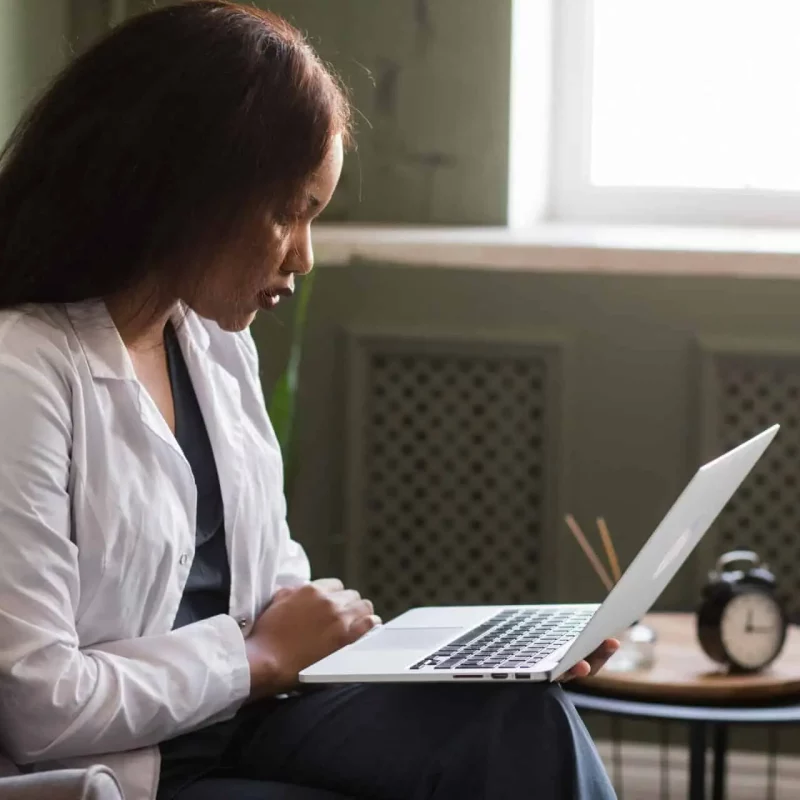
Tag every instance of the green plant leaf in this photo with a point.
(280, 411)
(283, 401)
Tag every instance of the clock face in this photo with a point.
(751, 629)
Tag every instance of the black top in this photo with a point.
(208, 587)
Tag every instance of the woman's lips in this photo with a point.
(269, 298)
(267, 301)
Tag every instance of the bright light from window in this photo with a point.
(696, 94)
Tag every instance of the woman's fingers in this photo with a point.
(593, 663)
(281, 594)
(580, 670)
(328, 584)
(363, 625)
(598, 659)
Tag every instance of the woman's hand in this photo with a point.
(593, 663)
(299, 627)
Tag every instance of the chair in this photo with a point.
(99, 783)
(95, 783)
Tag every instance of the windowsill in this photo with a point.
(640, 250)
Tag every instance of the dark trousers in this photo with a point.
(394, 742)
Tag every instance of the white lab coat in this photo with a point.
(97, 531)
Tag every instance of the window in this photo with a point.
(677, 111)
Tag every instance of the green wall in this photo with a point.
(430, 83)
(33, 47)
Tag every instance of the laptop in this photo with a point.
(540, 642)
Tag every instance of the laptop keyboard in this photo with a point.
(513, 639)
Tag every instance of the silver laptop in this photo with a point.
(540, 642)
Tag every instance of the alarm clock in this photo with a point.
(741, 623)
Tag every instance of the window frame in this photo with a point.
(570, 196)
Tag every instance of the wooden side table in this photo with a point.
(686, 686)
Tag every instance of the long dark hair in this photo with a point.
(159, 145)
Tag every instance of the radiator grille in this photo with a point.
(764, 515)
(454, 456)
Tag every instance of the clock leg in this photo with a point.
(697, 760)
(720, 758)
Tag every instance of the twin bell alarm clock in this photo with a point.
(741, 623)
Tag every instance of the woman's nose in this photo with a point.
(300, 259)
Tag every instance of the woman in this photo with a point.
(155, 612)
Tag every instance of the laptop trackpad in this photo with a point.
(405, 638)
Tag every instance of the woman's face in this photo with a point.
(234, 291)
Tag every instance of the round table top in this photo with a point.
(682, 673)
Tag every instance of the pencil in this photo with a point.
(590, 554)
(611, 553)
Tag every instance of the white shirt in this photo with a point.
(97, 532)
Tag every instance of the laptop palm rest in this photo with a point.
(404, 638)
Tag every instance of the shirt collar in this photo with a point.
(103, 347)
(190, 328)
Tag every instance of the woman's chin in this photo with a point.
(231, 323)
(228, 317)
(238, 323)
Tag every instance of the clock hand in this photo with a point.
(748, 628)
